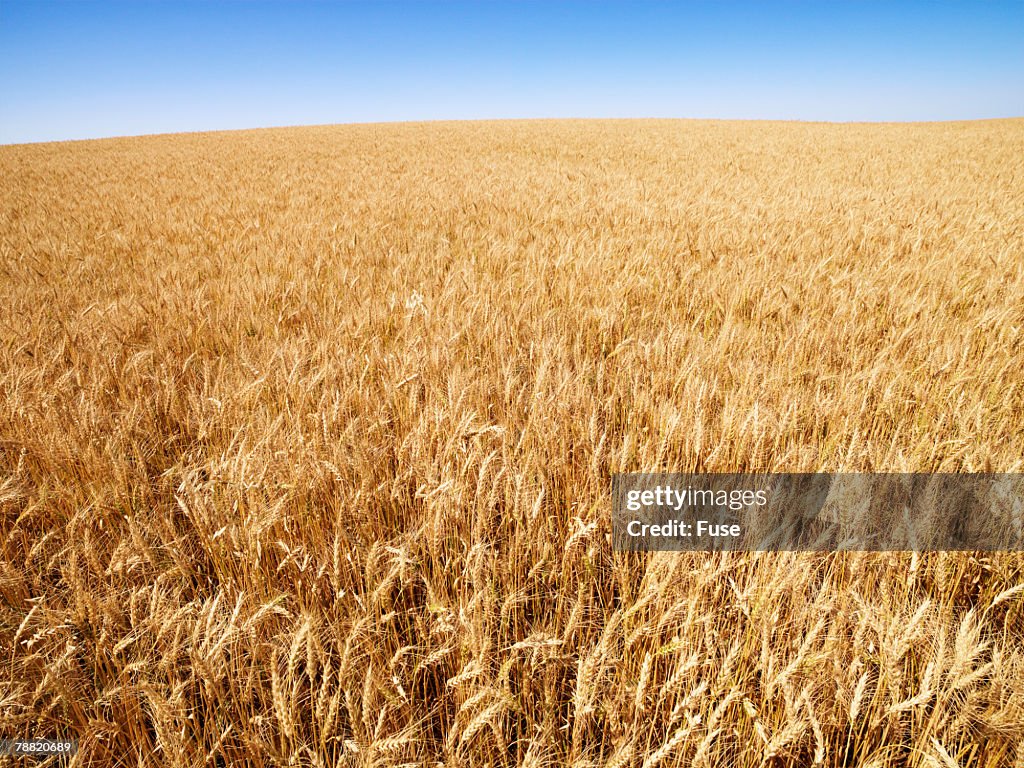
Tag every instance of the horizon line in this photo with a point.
(369, 123)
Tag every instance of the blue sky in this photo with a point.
(84, 69)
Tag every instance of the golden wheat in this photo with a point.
(307, 435)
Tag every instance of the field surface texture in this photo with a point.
(306, 438)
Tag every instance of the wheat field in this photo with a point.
(307, 435)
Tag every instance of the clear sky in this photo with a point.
(84, 69)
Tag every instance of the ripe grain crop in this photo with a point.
(307, 434)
